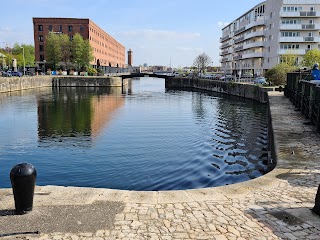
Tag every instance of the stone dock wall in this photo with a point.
(11, 84)
(254, 92)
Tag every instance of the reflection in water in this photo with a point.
(76, 112)
(145, 137)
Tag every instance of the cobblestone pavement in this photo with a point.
(275, 206)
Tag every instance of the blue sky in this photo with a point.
(156, 31)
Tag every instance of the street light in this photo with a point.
(24, 62)
(44, 66)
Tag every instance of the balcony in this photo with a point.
(239, 40)
(224, 53)
(252, 55)
(299, 39)
(300, 14)
(239, 30)
(254, 34)
(224, 60)
(225, 45)
(253, 45)
(287, 2)
(237, 49)
(225, 38)
(237, 57)
(259, 22)
(292, 51)
(299, 27)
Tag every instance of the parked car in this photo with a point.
(6, 74)
(226, 78)
(16, 74)
(260, 80)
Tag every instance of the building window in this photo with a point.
(70, 28)
(41, 48)
(40, 38)
(71, 38)
(50, 28)
(60, 28)
(81, 28)
(41, 57)
(40, 28)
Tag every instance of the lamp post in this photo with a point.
(44, 67)
(24, 62)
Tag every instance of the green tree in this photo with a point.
(311, 57)
(87, 54)
(29, 56)
(65, 49)
(202, 62)
(278, 74)
(289, 58)
(53, 50)
(76, 49)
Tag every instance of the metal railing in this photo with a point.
(305, 96)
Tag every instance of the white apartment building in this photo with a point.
(258, 39)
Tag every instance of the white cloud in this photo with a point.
(5, 29)
(222, 24)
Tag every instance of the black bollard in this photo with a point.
(23, 180)
(316, 208)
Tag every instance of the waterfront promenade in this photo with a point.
(274, 206)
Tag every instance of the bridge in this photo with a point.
(147, 74)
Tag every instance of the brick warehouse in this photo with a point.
(106, 50)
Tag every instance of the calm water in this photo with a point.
(146, 138)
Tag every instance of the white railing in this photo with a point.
(252, 55)
(253, 44)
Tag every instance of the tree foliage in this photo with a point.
(278, 74)
(53, 50)
(290, 59)
(77, 49)
(65, 49)
(17, 53)
(202, 62)
(87, 54)
(60, 48)
(311, 57)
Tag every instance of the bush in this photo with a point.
(92, 71)
(278, 74)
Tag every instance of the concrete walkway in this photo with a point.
(275, 206)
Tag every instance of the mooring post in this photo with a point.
(23, 180)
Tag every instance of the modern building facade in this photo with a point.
(106, 50)
(260, 38)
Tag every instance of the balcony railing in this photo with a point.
(300, 14)
(292, 51)
(308, 26)
(238, 48)
(254, 34)
(239, 30)
(239, 40)
(253, 55)
(225, 38)
(224, 45)
(308, 14)
(299, 27)
(253, 44)
(237, 57)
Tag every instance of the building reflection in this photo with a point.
(76, 115)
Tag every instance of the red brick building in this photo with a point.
(106, 50)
